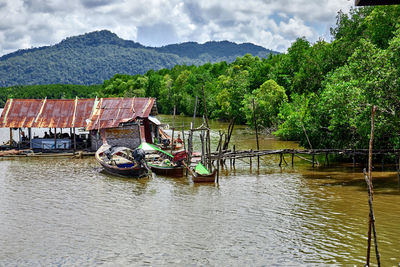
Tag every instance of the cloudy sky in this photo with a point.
(272, 24)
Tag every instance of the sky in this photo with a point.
(271, 24)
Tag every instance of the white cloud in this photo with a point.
(272, 24)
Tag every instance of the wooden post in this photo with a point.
(19, 138)
(74, 140)
(372, 217)
(219, 155)
(194, 113)
(202, 148)
(30, 137)
(292, 160)
(183, 136)
(255, 125)
(190, 145)
(371, 141)
(11, 137)
(55, 138)
(173, 131)
(208, 144)
(280, 161)
(234, 159)
(313, 162)
(205, 107)
(190, 138)
(251, 158)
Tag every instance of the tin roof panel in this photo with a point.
(67, 113)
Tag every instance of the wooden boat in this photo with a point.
(202, 175)
(162, 162)
(122, 161)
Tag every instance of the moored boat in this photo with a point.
(122, 161)
(162, 162)
(202, 175)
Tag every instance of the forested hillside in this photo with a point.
(91, 58)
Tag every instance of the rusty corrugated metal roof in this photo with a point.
(111, 112)
(67, 113)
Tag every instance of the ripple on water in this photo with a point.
(67, 212)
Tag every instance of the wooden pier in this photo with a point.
(237, 154)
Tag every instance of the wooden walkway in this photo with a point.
(232, 154)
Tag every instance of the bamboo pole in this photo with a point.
(173, 130)
(55, 138)
(313, 162)
(30, 137)
(255, 125)
(234, 161)
(292, 160)
(74, 140)
(194, 113)
(251, 158)
(372, 217)
(202, 148)
(183, 136)
(11, 137)
(370, 188)
(219, 154)
(19, 138)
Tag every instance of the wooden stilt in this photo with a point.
(255, 125)
(30, 137)
(74, 140)
(292, 160)
(280, 161)
(55, 138)
(173, 131)
(19, 138)
(370, 188)
(313, 162)
(234, 160)
(219, 155)
(372, 217)
(202, 148)
(11, 137)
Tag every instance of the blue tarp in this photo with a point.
(48, 143)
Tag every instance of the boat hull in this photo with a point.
(201, 178)
(136, 171)
(167, 171)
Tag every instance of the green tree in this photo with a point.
(268, 99)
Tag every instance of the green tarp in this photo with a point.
(148, 147)
(201, 169)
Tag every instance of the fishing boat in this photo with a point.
(202, 175)
(162, 162)
(123, 161)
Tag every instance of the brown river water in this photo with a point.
(67, 212)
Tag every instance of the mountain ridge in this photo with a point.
(93, 57)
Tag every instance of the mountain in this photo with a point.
(94, 57)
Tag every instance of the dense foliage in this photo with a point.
(320, 94)
(91, 58)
